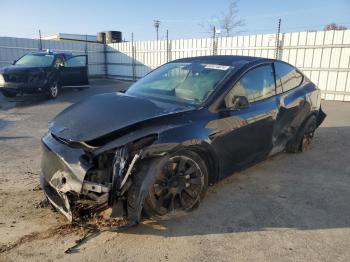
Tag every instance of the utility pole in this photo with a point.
(278, 39)
(40, 43)
(156, 25)
(214, 40)
(167, 45)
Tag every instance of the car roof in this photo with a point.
(228, 60)
(50, 53)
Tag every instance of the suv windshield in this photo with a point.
(34, 60)
(181, 82)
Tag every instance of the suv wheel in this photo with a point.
(53, 91)
(174, 183)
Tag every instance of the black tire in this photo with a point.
(304, 136)
(53, 90)
(181, 189)
(8, 93)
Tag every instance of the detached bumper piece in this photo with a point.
(58, 200)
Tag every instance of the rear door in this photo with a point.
(74, 72)
(245, 135)
(292, 104)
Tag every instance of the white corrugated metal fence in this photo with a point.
(324, 56)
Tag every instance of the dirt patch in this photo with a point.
(53, 232)
(90, 227)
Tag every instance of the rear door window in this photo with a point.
(287, 77)
(257, 84)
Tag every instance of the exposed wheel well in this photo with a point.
(294, 145)
(209, 160)
(313, 113)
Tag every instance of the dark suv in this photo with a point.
(187, 124)
(44, 72)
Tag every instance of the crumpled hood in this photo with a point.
(103, 114)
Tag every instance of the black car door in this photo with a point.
(245, 136)
(74, 72)
(292, 105)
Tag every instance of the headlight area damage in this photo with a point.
(79, 183)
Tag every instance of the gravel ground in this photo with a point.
(292, 207)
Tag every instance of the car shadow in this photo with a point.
(306, 191)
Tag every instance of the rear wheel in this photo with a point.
(8, 93)
(176, 183)
(304, 137)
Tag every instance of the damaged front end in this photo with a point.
(78, 183)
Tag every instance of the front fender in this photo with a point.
(171, 138)
(193, 136)
(41, 79)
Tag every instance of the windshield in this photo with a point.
(34, 60)
(181, 82)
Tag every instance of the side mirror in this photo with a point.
(239, 102)
(60, 66)
(14, 62)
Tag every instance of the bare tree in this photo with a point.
(228, 21)
(209, 25)
(334, 26)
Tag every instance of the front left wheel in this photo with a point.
(53, 91)
(174, 183)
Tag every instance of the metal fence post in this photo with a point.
(167, 46)
(134, 63)
(133, 57)
(280, 47)
(214, 42)
(105, 62)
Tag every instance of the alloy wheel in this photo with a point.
(54, 90)
(178, 187)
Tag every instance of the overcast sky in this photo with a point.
(181, 17)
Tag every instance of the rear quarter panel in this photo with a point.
(299, 104)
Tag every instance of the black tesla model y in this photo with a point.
(185, 125)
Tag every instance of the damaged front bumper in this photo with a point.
(57, 199)
(24, 87)
(63, 173)
(78, 184)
